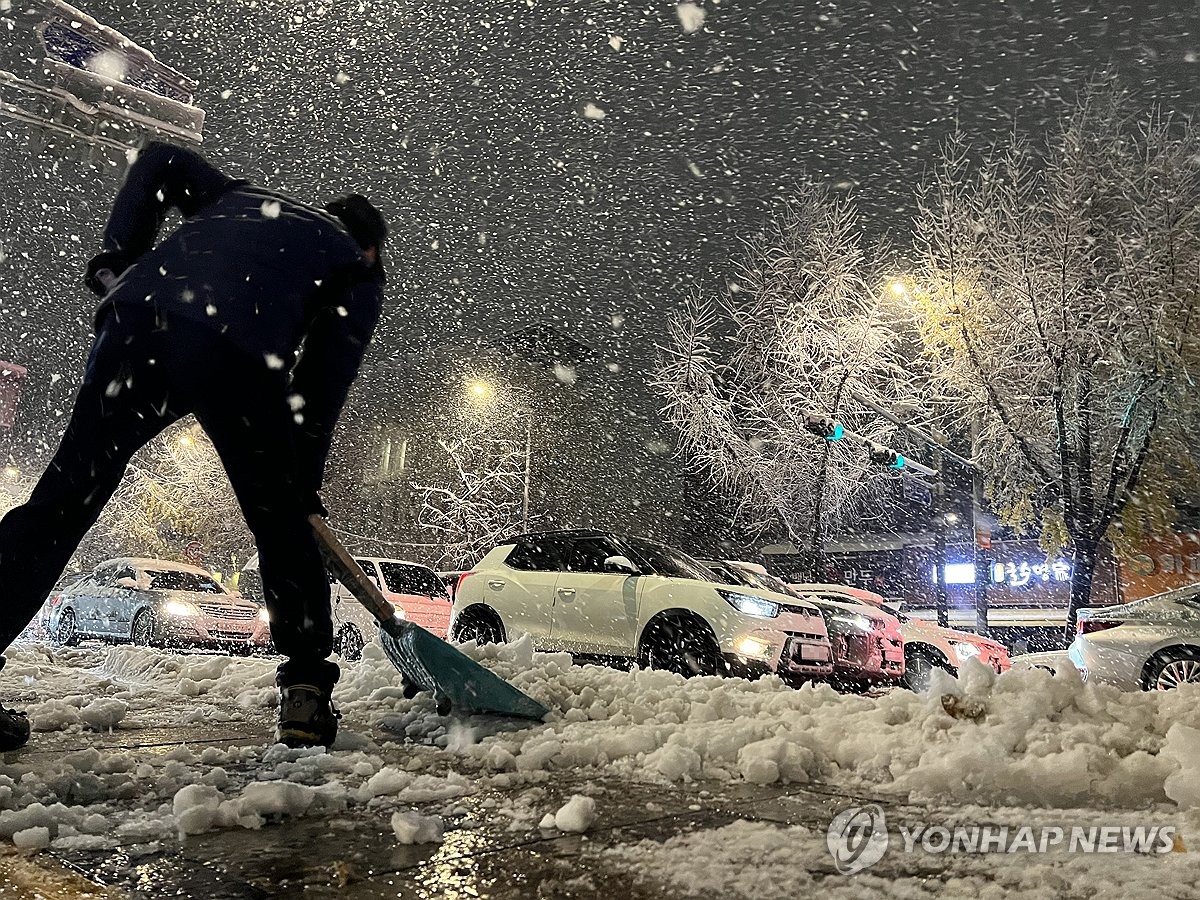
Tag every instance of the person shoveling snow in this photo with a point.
(253, 316)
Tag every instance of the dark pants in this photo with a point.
(143, 375)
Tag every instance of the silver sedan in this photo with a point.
(1151, 644)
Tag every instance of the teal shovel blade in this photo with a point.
(431, 664)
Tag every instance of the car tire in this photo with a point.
(919, 666)
(350, 643)
(144, 632)
(683, 644)
(478, 626)
(67, 632)
(1170, 668)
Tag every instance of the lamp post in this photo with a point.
(482, 392)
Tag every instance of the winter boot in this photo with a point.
(14, 726)
(306, 716)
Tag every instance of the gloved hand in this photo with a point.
(114, 262)
(314, 506)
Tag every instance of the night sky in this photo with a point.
(477, 128)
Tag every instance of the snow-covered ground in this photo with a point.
(1009, 747)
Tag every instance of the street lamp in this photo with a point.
(481, 390)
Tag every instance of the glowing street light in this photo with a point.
(898, 287)
(185, 440)
(11, 471)
(481, 390)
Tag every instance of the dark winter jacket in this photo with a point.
(283, 281)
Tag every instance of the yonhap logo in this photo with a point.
(857, 838)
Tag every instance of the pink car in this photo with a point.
(415, 590)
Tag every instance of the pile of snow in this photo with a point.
(413, 828)
(1025, 738)
(575, 816)
(764, 861)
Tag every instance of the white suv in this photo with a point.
(593, 593)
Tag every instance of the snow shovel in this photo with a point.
(426, 662)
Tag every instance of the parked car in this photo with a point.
(39, 627)
(450, 580)
(415, 590)
(868, 646)
(152, 602)
(929, 646)
(598, 594)
(1151, 644)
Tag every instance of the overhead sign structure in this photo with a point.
(65, 72)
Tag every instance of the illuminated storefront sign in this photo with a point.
(1023, 573)
(1013, 573)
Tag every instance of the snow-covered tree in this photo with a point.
(808, 329)
(1059, 291)
(175, 492)
(481, 501)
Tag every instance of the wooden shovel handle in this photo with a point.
(350, 573)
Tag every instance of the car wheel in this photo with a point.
(144, 632)
(1171, 668)
(67, 633)
(681, 644)
(482, 628)
(350, 643)
(918, 670)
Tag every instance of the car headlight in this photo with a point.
(965, 651)
(179, 609)
(749, 605)
(264, 616)
(849, 622)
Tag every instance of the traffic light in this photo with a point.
(886, 456)
(824, 427)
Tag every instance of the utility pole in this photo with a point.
(982, 543)
(528, 468)
(939, 545)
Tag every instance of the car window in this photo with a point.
(667, 561)
(588, 554)
(173, 580)
(368, 567)
(402, 578)
(536, 555)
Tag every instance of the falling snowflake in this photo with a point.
(274, 361)
(592, 111)
(270, 209)
(691, 17)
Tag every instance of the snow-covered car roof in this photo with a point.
(859, 595)
(162, 565)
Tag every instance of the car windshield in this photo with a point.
(170, 580)
(409, 579)
(668, 562)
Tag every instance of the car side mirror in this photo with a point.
(130, 584)
(620, 565)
